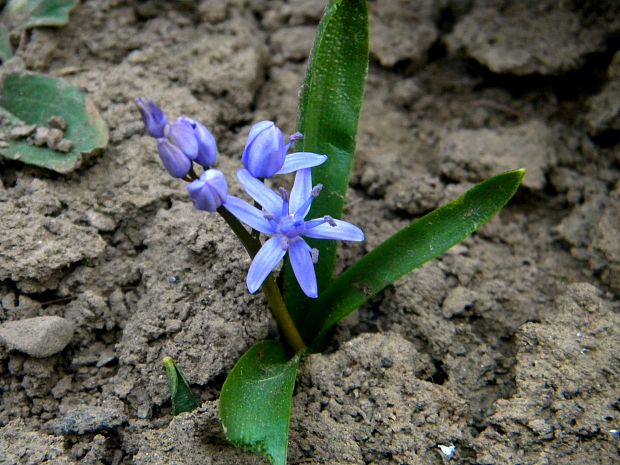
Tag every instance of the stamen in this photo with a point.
(329, 220)
(284, 244)
(292, 139)
(317, 190)
(268, 216)
(284, 195)
(314, 255)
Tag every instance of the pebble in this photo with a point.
(39, 337)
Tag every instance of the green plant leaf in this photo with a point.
(26, 14)
(331, 101)
(255, 402)
(36, 99)
(6, 51)
(183, 399)
(414, 245)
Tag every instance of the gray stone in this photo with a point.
(41, 336)
(91, 418)
(545, 38)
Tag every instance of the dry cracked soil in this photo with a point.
(505, 348)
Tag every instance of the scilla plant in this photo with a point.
(299, 228)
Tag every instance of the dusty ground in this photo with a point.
(506, 348)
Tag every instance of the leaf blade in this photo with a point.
(26, 14)
(330, 105)
(183, 399)
(414, 245)
(35, 99)
(255, 402)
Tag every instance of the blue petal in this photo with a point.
(301, 260)
(300, 160)
(343, 231)
(256, 189)
(173, 159)
(267, 258)
(248, 214)
(302, 188)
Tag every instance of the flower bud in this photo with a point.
(207, 148)
(173, 158)
(265, 150)
(209, 191)
(154, 119)
(182, 135)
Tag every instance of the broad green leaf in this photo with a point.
(26, 14)
(6, 51)
(183, 399)
(414, 245)
(255, 402)
(36, 100)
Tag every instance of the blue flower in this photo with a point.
(283, 217)
(154, 119)
(209, 191)
(265, 152)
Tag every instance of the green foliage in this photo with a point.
(37, 100)
(255, 402)
(331, 101)
(25, 14)
(423, 240)
(183, 399)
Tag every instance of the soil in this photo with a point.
(505, 348)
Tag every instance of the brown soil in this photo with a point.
(506, 347)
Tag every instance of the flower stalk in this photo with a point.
(270, 288)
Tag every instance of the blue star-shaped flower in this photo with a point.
(283, 217)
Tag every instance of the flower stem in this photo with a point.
(270, 288)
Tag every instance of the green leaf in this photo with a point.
(26, 14)
(255, 402)
(38, 100)
(414, 245)
(331, 101)
(6, 51)
(183, 399)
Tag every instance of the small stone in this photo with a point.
(64, 146)
(54, 136)
(57, 122)
(21, 131)
(38, 337)
(40, 136)
(100, 221)
(91, 418)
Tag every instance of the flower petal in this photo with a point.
(248, 214)
(343, 231)
(302, 187)
(300, 160)
(301, 260)
(269, 255)
(256, 189)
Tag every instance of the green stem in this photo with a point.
(270, 288)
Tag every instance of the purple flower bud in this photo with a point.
(207, 148)
(181, 134)
(265, 150)
(173, 159)
(154, 119)
(210, 191)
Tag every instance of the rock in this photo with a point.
(604, 113)
(402, 30)
(545, 37)
(91, 418)
(474, 155)
(41, 336)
